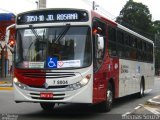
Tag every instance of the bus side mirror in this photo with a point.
(100, 42)
(99, 45)
(10, 43)
(7, 36)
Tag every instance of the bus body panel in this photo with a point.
(60, 94)
(131, 73)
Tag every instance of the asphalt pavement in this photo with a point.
(150, 107)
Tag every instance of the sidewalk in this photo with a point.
(6, 81)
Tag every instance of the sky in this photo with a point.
(112, 8)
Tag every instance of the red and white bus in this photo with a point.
(78, 56)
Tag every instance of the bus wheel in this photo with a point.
(107, 105)
(141, 93)
(47, 106)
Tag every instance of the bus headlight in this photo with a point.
(20, 85)
(15, 80)
(79, 84)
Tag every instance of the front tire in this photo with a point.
(47, 106)
(106, 106)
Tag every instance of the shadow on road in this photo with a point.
(79, 111)
(127, 99)
(66, 111)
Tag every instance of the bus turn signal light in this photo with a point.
(11, 43)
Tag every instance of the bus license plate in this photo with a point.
(46, 95)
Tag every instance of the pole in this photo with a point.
(1, 67)
(37, 4)
(93, 7)
(3, 63)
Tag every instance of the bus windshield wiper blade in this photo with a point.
(35, 33)
(38, 38)
(63, 32)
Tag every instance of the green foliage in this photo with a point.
(156, 26)
(137, 17)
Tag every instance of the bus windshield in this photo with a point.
(53, 47)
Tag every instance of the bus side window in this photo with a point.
(139, 49)
(112, 41)
(133, 55)
(126, 43)
(120, 44)
(144, 52)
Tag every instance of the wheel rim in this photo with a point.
(109, 97)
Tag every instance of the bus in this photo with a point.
(78, 56)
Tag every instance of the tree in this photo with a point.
(137, 17)
(156, 26)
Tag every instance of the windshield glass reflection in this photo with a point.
(58, 47)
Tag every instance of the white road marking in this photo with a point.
(137, 107)
(127, 113)
(152, 110)
(156, 97)
(153, 102)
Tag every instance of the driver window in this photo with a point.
(99, 37)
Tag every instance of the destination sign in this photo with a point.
(49, 16)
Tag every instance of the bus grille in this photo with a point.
(49, 75)
(50, 87)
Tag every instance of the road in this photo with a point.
(25, 111)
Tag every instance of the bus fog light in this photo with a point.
(76, 85)
(20, 85)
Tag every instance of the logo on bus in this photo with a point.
(52, 62)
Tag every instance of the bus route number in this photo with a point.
(60, 82)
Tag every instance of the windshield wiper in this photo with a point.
(38, 38)
(62, 34)
(35, 33)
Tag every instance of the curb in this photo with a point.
(3, 82)
(6, 88)
(6, 85)
(153, 102)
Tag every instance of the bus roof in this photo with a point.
(45, 9)
(134, 33)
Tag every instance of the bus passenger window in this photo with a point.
(112, 41)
